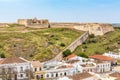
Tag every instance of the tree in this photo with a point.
(2, 55)
(83, 55)
(66, 53)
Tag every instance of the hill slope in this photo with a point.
(100, 44)
(40, 44)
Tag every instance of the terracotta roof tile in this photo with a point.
(71, 56)
(101, 57)
(12, 59)
(80, 76)
(36, 63)
(65, 66)
(115, 74)
(1, 60)
(72, 61)
(117, 78)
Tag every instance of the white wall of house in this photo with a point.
(20, 68)
(56, 73)
(103, 67)
(113, 55)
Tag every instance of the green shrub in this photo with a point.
(31, 55)
(2, 55)
(97, 52)
(84, 43)
(91, 40)
(91, 36)
(66, 53)
(83, 55)
(62, 45)
(85, 46)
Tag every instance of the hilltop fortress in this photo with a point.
(92, 28)
(34, 23)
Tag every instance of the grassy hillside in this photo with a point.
(100, 44)
(40, 44)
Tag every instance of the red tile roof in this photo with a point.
(70, 66)
(71, 56)
(12, 59)
(65, 66)
(101, 57)
(36, 63)
(115, 74)
(1, 60)
(80, 76)
(73, 61)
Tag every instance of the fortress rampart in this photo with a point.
(34, 23)
(92, 28)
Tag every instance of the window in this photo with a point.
(90, 70)
(37, 77)
(27, 74)
(98, 66)
(65, 73)
(52, 75)
(60, 74)
(21, 68)
(47, 75)
(41, 76)
(40, 68)
(35, 69)
(56, 74)
(21, 75)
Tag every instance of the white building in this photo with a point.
(88, 67)
(113, 55)
(79, 76)
(15, 68)
(36, 66)
(103, 66)
(104, 63)
(54, 70)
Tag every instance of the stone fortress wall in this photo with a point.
(34, 23)
(73, 45)
(92, 28)
(95, 28)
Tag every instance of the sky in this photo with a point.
(102, 11)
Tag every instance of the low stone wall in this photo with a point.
(78, 42)
(73, 45)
